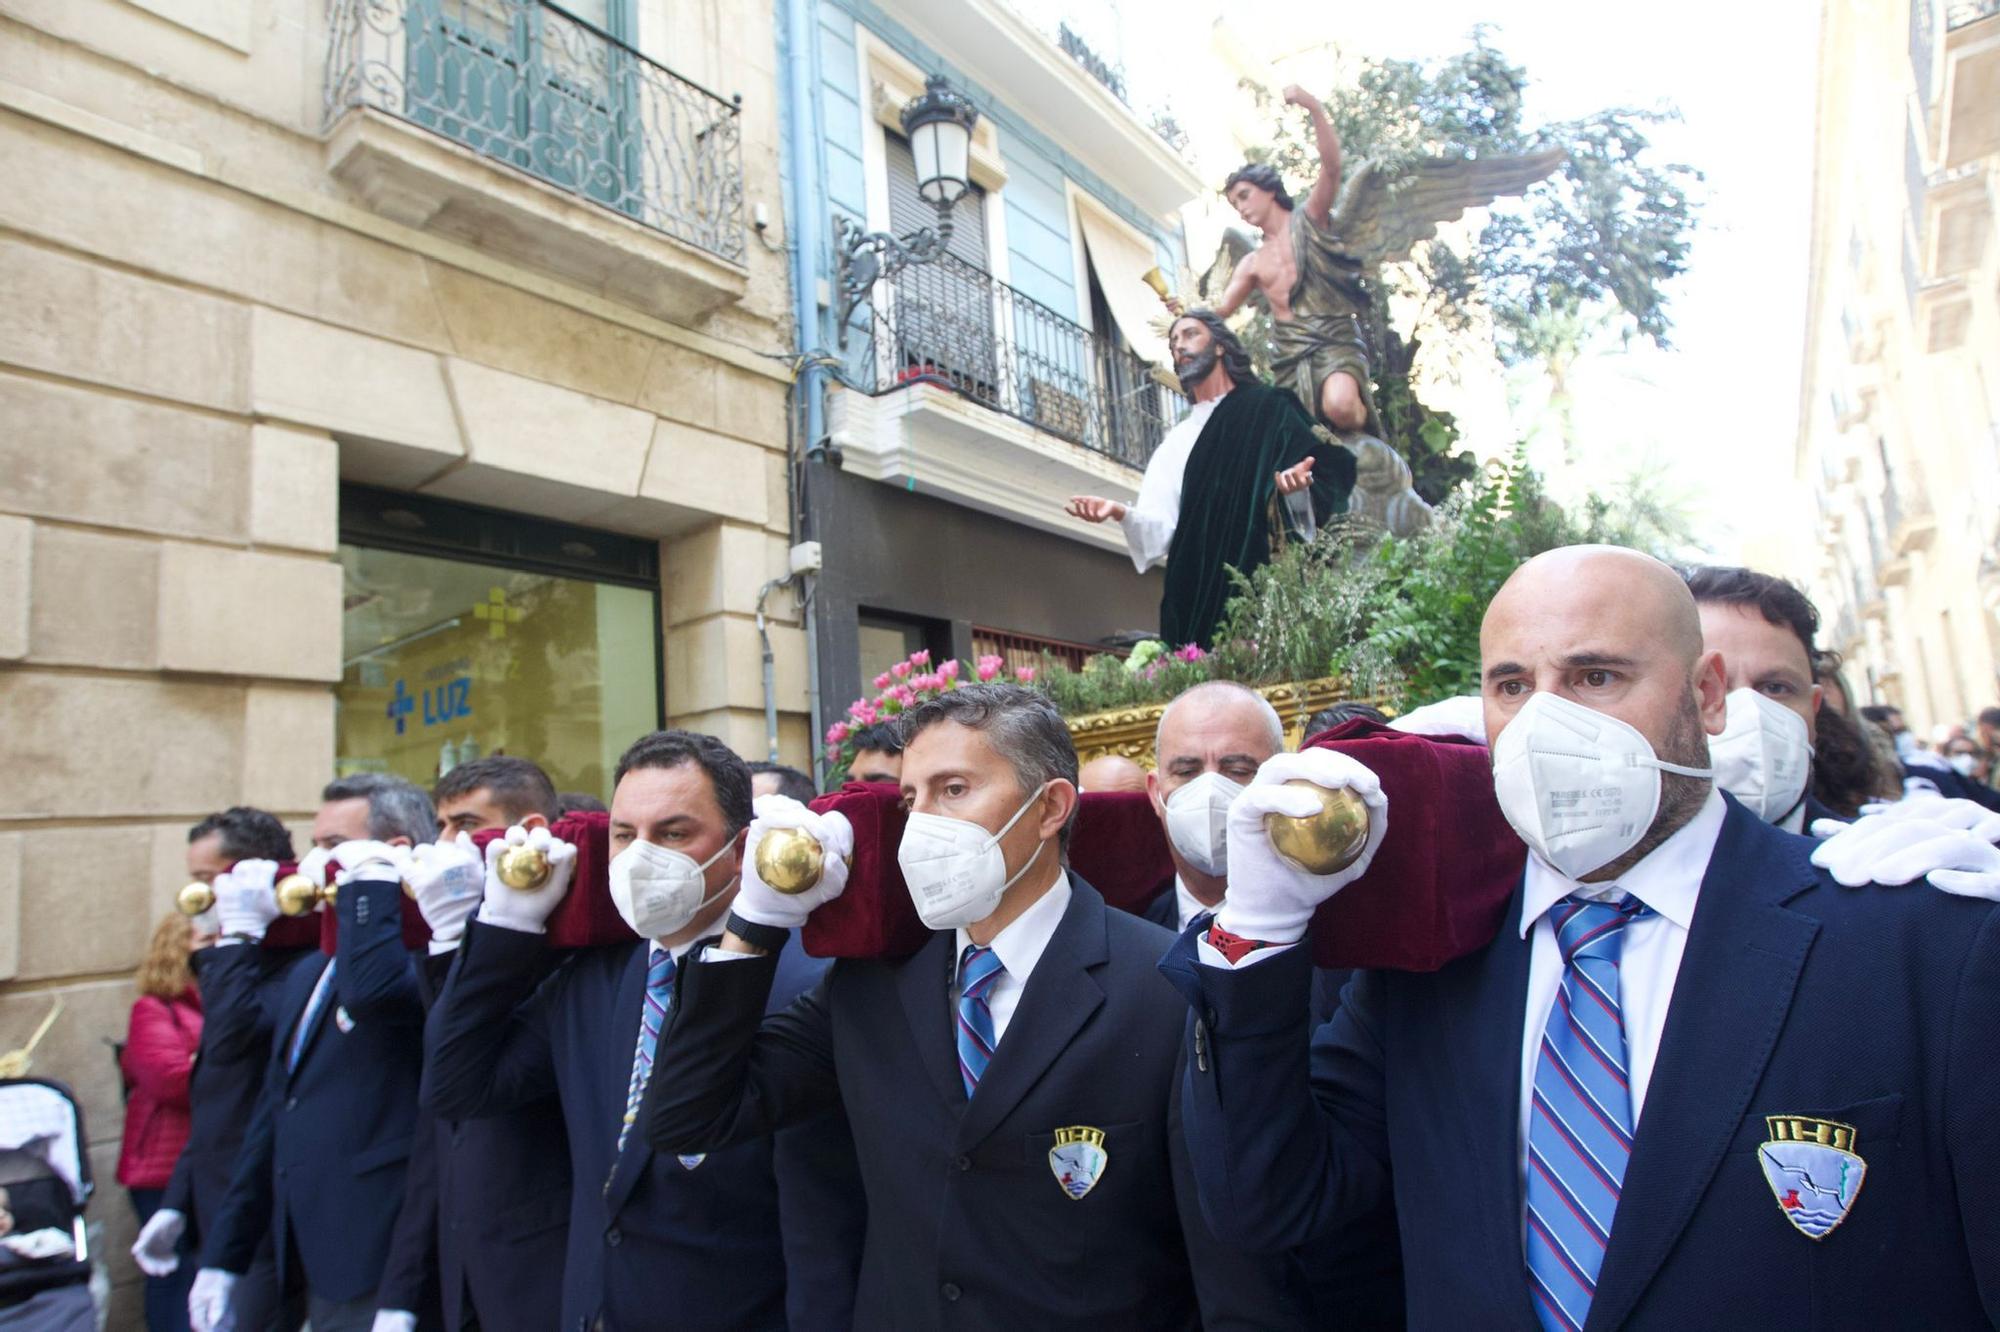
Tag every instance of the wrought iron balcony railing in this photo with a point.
(530, 85)
(1958, 13)
(949, 323)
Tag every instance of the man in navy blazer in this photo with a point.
(1011, 1086)
(1652, 1100)
(241, 984)
(693, 1239)
(502, 1188)
(322, 1166)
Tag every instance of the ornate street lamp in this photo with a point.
(938, 125)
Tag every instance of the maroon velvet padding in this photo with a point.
(585, 918)
(288, 934)
(1117, 848)
(1440, 883)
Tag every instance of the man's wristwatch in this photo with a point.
(770, 938)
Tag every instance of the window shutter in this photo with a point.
(908, 212)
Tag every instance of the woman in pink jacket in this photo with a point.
(158, 1059)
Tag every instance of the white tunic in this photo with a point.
(1150, 519)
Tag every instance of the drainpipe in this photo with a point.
(770, 672)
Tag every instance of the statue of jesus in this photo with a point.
(1242, 467)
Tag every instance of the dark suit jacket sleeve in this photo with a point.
(376, 979)
(1972, 1084)
(179, 1195)
(1287, 1136)
(245, 1217)
(486, 1043)
(727, 1073)
(236, 1021)
(409, 1278)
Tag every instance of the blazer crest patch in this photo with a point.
(1813, 1170)
(1078, 1159)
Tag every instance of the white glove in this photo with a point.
(1270, 899)
(153, 1251)
(1882, 849)
(395, 1320)
(244, 901)
(315, 865)
(448, 878)
(1970, 815)
(208, 1299)
(1465, 716)
(761, 904)
(365, 859)
(526, 911)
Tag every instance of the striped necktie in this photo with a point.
(978, 968)
(1580, 1127)
(659, 998)
(321, 989)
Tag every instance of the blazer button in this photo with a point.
(613, 1236)
(961, 1163)
(950, 1290)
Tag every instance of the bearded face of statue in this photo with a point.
(1194, 351)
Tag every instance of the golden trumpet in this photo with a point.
(790, 860)
(1326, 842)
(1157, 280)
(523, 868)
(194, 899)
(297, 894)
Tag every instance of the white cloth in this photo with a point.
(1150, 519)
(1019, 947)
(1186, 905)
(1668, 881)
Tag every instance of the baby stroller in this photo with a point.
(44, 1184)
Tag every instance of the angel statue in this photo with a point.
(1312, 271)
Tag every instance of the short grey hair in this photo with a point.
(396, 808)
(1022, 724)
(1229, 689)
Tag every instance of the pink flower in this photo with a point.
(882, 680)
(926, 681)
(869, 714)
(836, 733)
(1189, 652)
(904, 694)
(901, 670)
(1025, 674)
(990, 667)
(948, 671)
(922, 658)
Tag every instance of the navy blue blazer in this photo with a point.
(499, 1191)
(969, 1225)
(693, 1239)
(322, 1167)
(241, 987)
(1873, 1008)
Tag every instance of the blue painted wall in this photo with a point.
(1041, 250)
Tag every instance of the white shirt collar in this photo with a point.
(1022, 943)
(1668, 880)
(1186, 905)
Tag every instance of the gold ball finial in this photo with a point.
(790, 860)
(1326, 842)
(297, 894)
(194, 899)
(523, 868)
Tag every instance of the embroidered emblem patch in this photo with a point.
(341, 1020)
(690, 1162)
(1813, 1171)
(1078, 1159)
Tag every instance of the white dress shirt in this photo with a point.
(1186, 905)
(1668, 881)
(1018, 947)
(1150, 519)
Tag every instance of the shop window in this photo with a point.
(468, 633)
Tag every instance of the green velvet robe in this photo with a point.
(1254, 433)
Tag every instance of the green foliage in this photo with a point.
(1104, 682)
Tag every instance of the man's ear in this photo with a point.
(1711, 691)
(1059, 802)
(1153, 794)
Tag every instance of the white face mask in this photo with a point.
(1762, 756)
(955, 869)
(1963, 764)
(1198, 822)
(1579, 786)
(658, 891)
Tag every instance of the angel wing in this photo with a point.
(1381, 216)
(1237, 242)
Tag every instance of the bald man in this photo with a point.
(1651, 1101)
(1111, 772)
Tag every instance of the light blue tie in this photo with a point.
(978, 968)
(660, 971)
(321, 989)
(1580, 1125)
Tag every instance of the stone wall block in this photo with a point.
(10, 905)
(357, 387)
(234, 612)
(17, 573)
(86, 900)
(81, 747)
(287, 746)
(295, 490)
(698, 469)
(95, 599)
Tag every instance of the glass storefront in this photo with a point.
(446, 658)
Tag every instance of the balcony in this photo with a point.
(514, 126)
(1967, 111)
(966, 388)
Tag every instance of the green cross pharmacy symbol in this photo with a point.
(496, 612)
